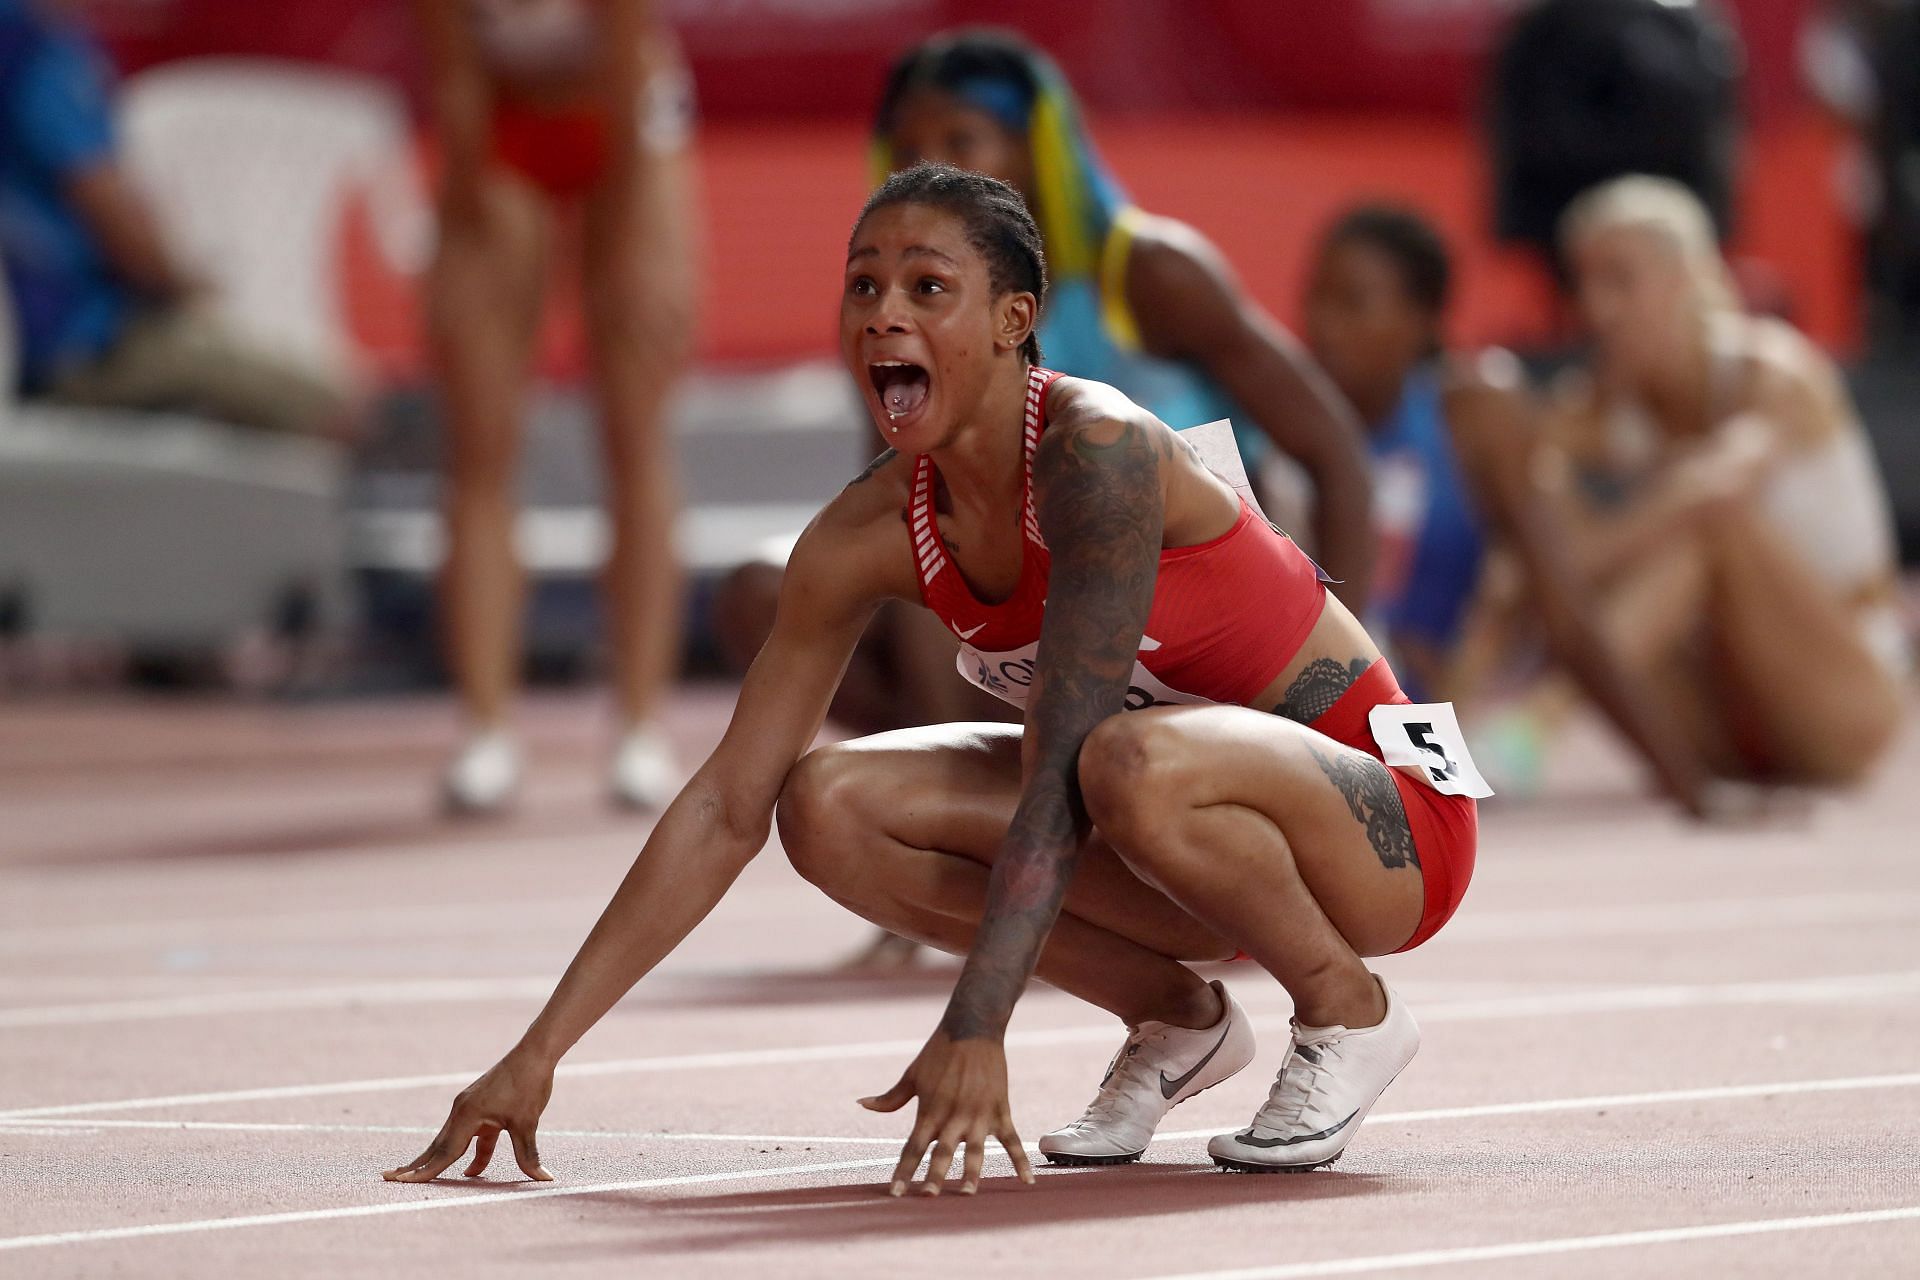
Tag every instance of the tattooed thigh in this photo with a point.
(1319, 685)
(1374, 801)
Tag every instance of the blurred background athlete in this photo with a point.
(559, 121)
(1470, 542)
(1727, 503)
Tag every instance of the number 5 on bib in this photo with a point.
(1424, 739)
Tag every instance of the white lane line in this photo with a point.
(329, 923)
(1721, 914)
(178, 1004)
(521, 1192)
(1710, 1093)
(1564, 1244)
(62, 1127)
(1871, 986)
(431, 991)
(467, 919)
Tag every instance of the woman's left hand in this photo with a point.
(962, 1087)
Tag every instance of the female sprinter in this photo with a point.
(557, 116)
(1143, 304)
(1455, 443)
(1090, 564)
(1729, 508)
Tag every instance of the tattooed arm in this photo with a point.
(1098, 491)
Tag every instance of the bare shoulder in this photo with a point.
(884, 479)
(1164, 246)
(857, 546)
(1099, 442)
(1794, 383)
(1081, 411)
(1169, 261)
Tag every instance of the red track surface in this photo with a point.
(233, 942)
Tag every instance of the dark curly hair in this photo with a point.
(996, 220)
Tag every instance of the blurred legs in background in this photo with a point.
(485, 289)
(639, 291)
(488, 283)
(570, 123)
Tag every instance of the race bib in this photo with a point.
(1009, 677)
(1214, 445)
(1424, 739)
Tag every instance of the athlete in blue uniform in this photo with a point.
(104, 311)
(1431, 543)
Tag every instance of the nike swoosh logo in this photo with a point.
(970, 634)
(1170, 1087)
(1247, 1138)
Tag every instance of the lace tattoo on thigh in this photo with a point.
(1374, 801)
(1317, 687)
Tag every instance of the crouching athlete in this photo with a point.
(1088, 563)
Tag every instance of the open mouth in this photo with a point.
(903, 387)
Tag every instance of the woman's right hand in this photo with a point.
(510, 1096)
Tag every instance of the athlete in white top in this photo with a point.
(1729, 506)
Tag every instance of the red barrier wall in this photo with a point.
(778, 203)
(778, 59)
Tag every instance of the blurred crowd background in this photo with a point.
(240, 482)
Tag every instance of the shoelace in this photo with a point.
(1129, 1065)
(1293, 1092)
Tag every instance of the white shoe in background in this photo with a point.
(644, 776)
(1157, 1069)
(484, 773)
(1331, 1079)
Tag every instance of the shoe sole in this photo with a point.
(1088, 1161)
(1243, 1166)
(1084, 1161)
(1248, 1166)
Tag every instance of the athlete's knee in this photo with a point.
(819, 812)
(1843, 752)
(1130, 771)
